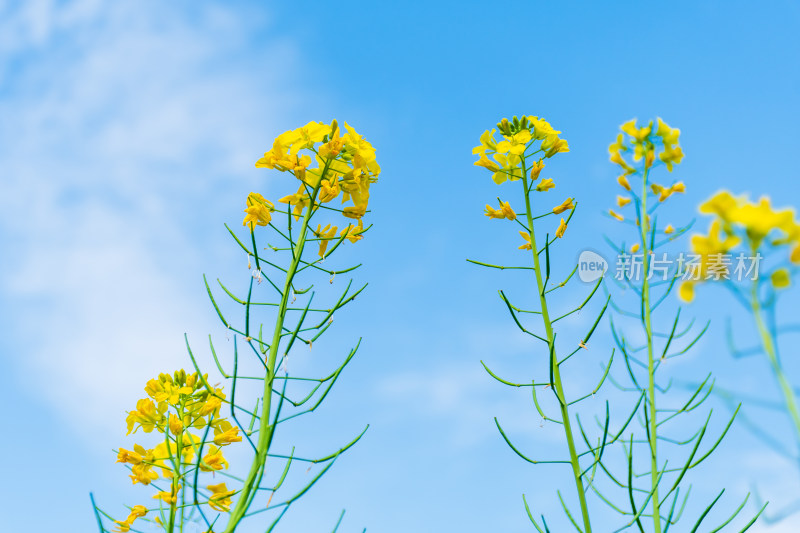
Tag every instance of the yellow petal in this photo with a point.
(780, 278)
(686, 291)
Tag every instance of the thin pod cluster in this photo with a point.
(328, 165)
(652, 496)
(519, 155)
(753, 250)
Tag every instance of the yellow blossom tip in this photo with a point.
(563, 206)
(686, 291)
(562, 227)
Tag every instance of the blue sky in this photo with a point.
(128, 132)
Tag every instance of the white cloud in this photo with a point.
(123, 124)
(464, 399)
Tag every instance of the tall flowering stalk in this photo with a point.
(656, 505)
(753, 249)
(328, 164)
(519, 155)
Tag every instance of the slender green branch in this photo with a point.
(265, 429)
(556, 374)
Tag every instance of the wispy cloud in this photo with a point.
(126, 129)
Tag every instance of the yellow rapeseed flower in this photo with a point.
(553, 145)
(355, 212)
(131, 457)
(541, 128)
(615, 215)
(168, 497)
(623, 180)
(545, 185)
(686, 291)
(722, 204)
(527, 238)
(146, 416)
(220, 499)
(622, 201)
(650, 157)
(671, 156)
(666, 192)
(487, 143)
(640, 150)
(353, 233)
(756, 222)
(309, 135)
(639, 135)
(713, 243)
(354, 141)
(536, 169)
(329, 189)
(669, 136)
(211, 405)
(780, 278)
(794, 257)
(563, 206)
(299, 200)
(175, 424)
(760, 219)
(618, 146)
(142, 473)
(514, 144)
(259, 211)
(618, 159)
(712, 247)
(278, 157)
(486, 163)
(505, 211)
(562, 227)
(213, 460)
(137, 511)
(165, 389)
(225, 433)
(325, 234)
(509, 168)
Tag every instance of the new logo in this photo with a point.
(591, 266)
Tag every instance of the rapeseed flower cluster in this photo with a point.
(518, 152)
(176, 404)
(328, 165)
(643, 145)
(739, 221)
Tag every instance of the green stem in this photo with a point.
(176, 461)
(179, 443)
(644, 225)
(266, 429)
(768, 343)
(548, 326)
